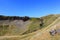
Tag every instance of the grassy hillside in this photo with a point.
(32, 28)
(35, 25)
(17, 27)
(3, 29)
(40, 35)
(45, 35)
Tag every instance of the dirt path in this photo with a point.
(2, 37)
(48, 28)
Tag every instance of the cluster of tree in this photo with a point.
(14, 18)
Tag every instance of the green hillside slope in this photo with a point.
(35, 25)
(18, 27)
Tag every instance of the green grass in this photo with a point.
(35, 25)
(3, 29)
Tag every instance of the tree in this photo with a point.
(25, 18)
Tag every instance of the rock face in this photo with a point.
(15, 27)
(20, 25)
(53, 32)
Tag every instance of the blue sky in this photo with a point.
(32, 8)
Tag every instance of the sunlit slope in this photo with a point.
(35, 25)
(42, 34)
(18, 27)
(45, 35)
